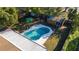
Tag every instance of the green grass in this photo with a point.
(72, 42)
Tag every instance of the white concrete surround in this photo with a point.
(20, 42)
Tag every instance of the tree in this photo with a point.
(8, 17)
(73, 37)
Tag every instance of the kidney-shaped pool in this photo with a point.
(38, 33)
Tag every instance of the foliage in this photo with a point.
(45, 10)
(72, 41)
(8, 16)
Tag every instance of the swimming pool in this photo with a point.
(38, 33)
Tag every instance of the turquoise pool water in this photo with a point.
(36, 33)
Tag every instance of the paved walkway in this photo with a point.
(20, 42)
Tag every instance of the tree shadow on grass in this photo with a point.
(73, 45)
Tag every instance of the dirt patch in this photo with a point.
(51, 43)
(7, 46)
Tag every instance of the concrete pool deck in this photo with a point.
(20, 42)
